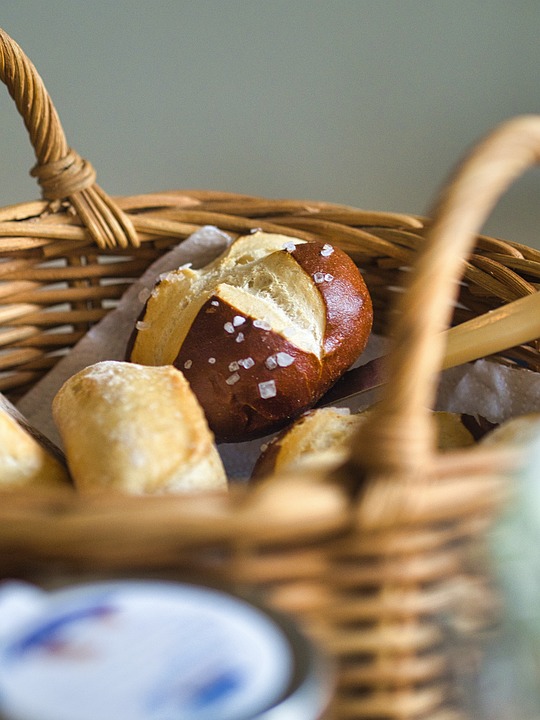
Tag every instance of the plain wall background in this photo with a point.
(368, 103)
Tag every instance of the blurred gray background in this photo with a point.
(367, 103)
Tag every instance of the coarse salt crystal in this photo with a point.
(262, 324)
(240, 337)
(212, 360)
(289, 246)
(247, 363)
(327, 250)
(214, 303)
(229, 327)
(141, 325)
(267, 389)
(233, 366)
(280, 359)
(318, 277)
(328, 277)
(284, 359)
(188, 364)
(232, 379)
(185, 266)
(238, 320)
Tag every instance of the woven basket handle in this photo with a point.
(60, 171)
(399, 438)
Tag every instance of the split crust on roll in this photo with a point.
(260, 333)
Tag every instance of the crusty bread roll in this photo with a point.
(261, 333)
(136, 429)
(25, 460)
(320, 439)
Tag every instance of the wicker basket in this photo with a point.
(367, 558)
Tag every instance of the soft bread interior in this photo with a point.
(136, 429)
(257, 276)
(321, 436)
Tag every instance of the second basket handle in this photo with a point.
(398, 438)
(60, 171)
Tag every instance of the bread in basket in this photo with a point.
(366, 558)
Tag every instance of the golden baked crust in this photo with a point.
(25, 462)
(136, 429)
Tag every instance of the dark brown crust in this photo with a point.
(235, 409)
(131, 341)
(349, 310)
(231, 397)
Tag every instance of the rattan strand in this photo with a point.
(61, 172)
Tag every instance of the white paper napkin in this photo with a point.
(490, 389)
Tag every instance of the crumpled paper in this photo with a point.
(484, 388)
(489, 389)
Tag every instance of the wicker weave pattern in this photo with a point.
(373, 560)
(55, 283)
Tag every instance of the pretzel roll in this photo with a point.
(261, 333)
(136, 429)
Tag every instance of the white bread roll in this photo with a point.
(136, 429)
(24, 460)
(261, 333)
(320, 440)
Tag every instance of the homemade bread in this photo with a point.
(261, 333)
(136, 429)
